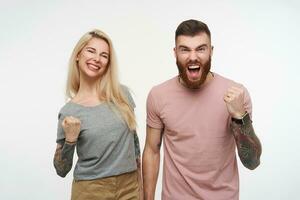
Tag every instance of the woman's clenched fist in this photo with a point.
(71, 126)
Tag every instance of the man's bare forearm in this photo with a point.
(63, 158)
(150, 173)
(151, 160)
(248, 144)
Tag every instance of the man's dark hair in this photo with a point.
(191, 27)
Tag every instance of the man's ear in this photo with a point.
(174, 49)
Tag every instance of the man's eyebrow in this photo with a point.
(182, 46)
(202, 45)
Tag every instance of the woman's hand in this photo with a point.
(71, 126)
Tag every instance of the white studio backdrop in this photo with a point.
(256, 43)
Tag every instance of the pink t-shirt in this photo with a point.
(199, 148)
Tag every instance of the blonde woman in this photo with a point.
(99, 121)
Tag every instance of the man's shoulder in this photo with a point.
(166, 85)
(226, 81)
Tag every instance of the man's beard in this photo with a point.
(204, 67)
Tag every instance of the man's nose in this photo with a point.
(193, 55)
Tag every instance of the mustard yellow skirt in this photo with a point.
(121, 187)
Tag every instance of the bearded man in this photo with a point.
(202, 118)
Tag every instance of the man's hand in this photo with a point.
(234, 99)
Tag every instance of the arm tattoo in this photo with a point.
(248, 145)
(63, 159)
(138, 161)
(137, 149)
(136, 145)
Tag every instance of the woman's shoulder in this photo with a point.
(125, 88)
(67, 109)
(127, 92)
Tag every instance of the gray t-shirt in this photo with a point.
(105, 146)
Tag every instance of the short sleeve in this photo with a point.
(60, 131)
(153, 114)
(128, 95)
(247, 102)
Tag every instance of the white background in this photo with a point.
(256, 43)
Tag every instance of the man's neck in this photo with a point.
(208, 78)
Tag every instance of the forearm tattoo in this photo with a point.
(248, 145)
(137, 150)
(138, 161)
(136, 145)
(63, 159)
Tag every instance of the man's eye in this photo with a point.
(184, 50)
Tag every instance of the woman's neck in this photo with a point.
(87, 93)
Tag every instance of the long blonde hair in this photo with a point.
(109, 89)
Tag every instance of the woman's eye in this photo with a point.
(104, 55)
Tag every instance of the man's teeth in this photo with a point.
(194, 67)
